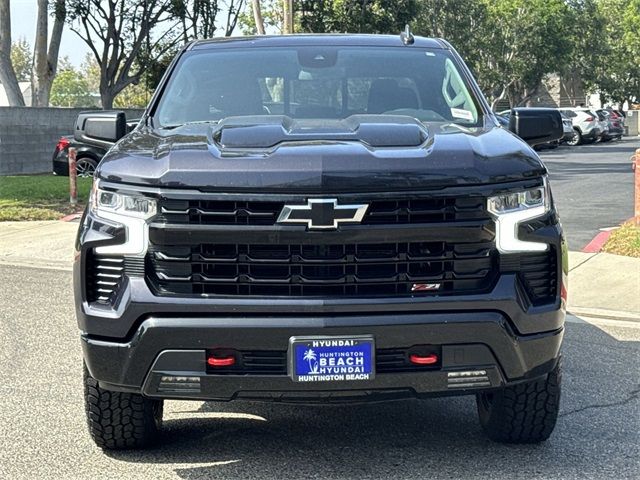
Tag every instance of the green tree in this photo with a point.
(70, 89)
(355, 16)
(22, 59)
(618, 76)
(272, 12)
(134, 96)
(90, 70)
(463, 23)
(525, 40)
(338, 16)
(119, 33)
(585, 27)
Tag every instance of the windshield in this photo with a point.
(316, 83)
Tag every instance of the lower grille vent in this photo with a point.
(539, 276)
(537, 273)
(105, 274)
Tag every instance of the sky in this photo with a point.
(23, 25)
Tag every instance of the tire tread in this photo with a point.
(523, 413)
(120, 420)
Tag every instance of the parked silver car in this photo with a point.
(586, 125)
(567, 128)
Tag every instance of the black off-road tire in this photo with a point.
(119, 420)
(524, 413)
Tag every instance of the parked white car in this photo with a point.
(567, 128)
(586, 125)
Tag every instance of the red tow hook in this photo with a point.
(221, 361)
(423, 359)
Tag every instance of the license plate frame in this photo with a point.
(348, 348)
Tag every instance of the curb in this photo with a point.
(596, 244)
(604, 313)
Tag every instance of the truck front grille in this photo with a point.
(301, 270)
(393, 211)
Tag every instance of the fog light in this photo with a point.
(468, 379)
(179, 384)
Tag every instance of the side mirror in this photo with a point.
(100, 128)
(536, 125)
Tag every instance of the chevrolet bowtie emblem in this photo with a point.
(322, 213)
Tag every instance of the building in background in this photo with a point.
(25, 88)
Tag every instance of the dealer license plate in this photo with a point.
(332, 359)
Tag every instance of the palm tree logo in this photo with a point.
(310, 356)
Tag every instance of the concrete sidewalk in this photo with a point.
(600, 284)
(604, 285)
(44, 244)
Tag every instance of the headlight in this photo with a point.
(129, 210)
(105, 201)
(512, 209)
(512, 202)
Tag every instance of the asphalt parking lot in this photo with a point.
(592, 186)
(43, 433)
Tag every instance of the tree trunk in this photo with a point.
(106, 98)
(7, 73)
(288, 16)
(257, 15)
(46, 59)
(497, 100)
(40, 55)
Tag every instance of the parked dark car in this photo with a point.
(89, 154)
(87, 159)
(503, 119)
(320, 219)
(615, 124)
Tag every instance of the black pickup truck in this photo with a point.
(320, 219)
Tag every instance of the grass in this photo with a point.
(624, 241)
(39, 197)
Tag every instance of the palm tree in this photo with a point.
(310, 355)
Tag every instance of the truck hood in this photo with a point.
(280, 155)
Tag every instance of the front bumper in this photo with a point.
(480, 345)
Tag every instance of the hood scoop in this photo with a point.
(268, 131)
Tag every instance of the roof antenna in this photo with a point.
(406, 36)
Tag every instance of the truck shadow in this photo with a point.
(596, 435)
